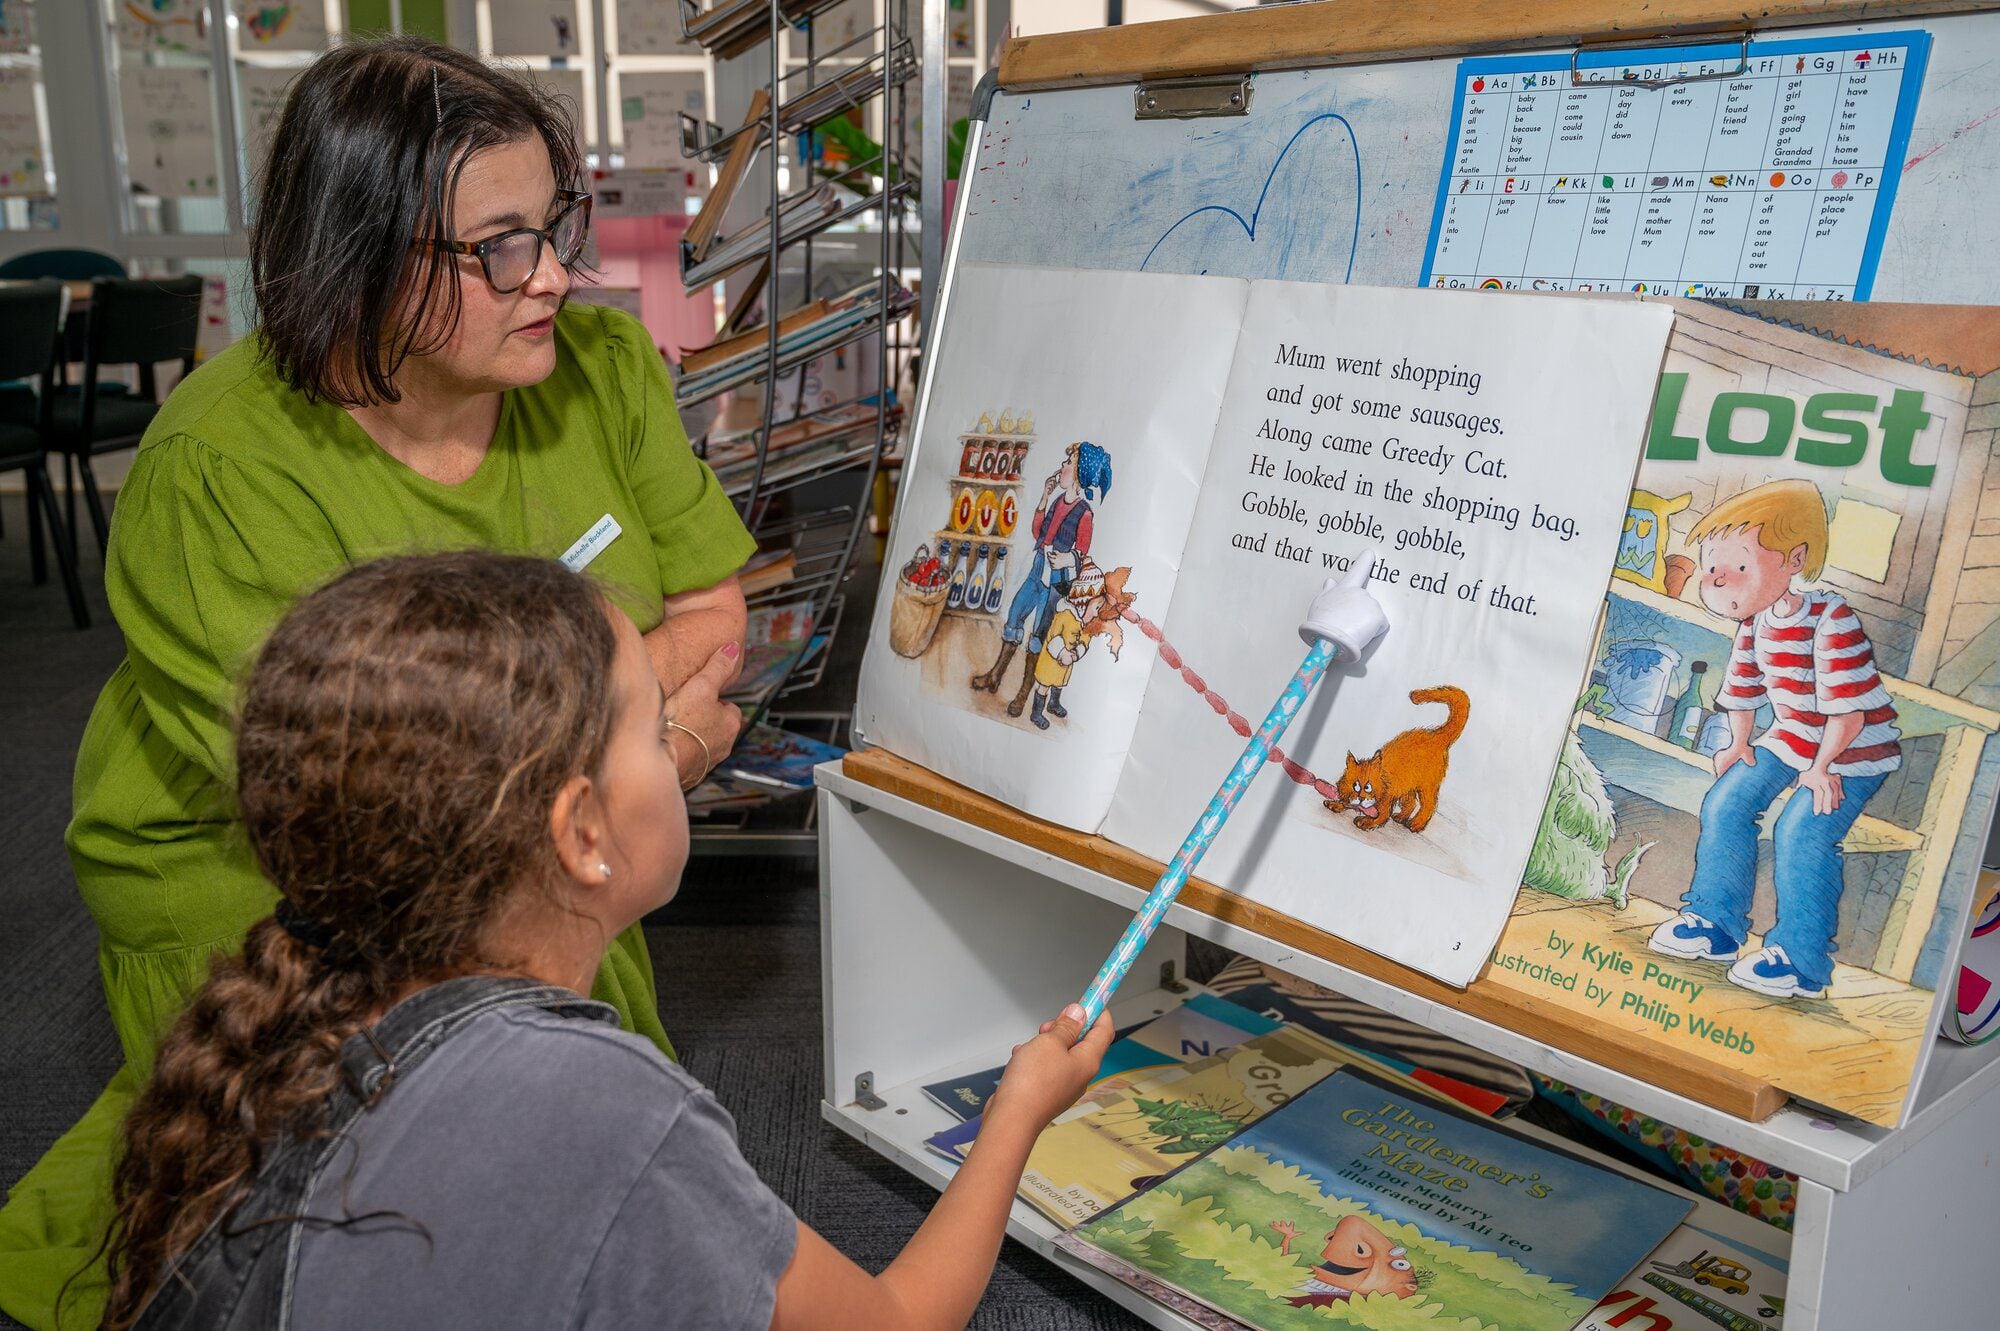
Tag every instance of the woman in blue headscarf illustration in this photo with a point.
(1061, 529)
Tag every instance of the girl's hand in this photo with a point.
(1049, 1073)
(1049, 486)
(698, 705)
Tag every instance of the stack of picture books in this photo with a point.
(1199, 1028)
(812, 329)
(1354, 1201)
(809, 445)
(731, 27)
(775, 635)
(1176, 1085)
(1718, 1266)
(798, 215)
(767, 570)
(778, 760)
(720, 792)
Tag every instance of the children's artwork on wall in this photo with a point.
(566, 85)
(649, 107)
(261, 92)
(17, 26)
(649, 27)
(175, 25)
(1357, 1203)
(24, 166)
(1129, 487)
(1768, 816)
(169, 118)
(534, 27)
(281, 25)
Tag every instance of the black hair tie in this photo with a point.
(303, 928)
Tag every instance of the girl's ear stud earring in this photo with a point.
(603, 870)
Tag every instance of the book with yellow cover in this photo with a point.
(1085, 1164)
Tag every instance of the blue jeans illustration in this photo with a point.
(1032, 608)
(1806, 854)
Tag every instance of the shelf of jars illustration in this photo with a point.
(985, 509)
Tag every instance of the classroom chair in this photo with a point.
(64, 265)
(132, 321)
(30, 324)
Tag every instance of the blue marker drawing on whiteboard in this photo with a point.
(1249, 225)
(1343, 621)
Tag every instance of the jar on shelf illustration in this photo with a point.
(996, 580)
(975, 587)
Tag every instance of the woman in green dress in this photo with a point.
(416, 382)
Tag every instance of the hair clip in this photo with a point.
(437, 97)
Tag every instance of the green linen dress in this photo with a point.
(244, 496)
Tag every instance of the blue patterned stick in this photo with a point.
(1344, 619)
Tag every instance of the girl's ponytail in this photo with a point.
(252, 1060)
(402, 737)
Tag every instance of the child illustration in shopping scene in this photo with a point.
(1061, 528)
(1803, 653)
(396, 1107)
(1089, 609)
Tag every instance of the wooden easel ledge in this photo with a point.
(1349, 32)
(1663, 1065)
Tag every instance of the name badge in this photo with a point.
(591, 544)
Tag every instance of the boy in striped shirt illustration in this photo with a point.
(1833, 735)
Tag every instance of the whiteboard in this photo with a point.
(1332, 176)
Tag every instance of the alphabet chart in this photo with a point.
(1759, 172)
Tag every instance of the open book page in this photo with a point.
(1487, 447)
(1062, 452)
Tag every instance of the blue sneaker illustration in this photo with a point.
(1693, 938)
(1769, 971)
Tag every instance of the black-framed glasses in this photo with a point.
(512, 257)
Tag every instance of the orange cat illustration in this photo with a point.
(1401, 780)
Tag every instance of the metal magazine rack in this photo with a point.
(814, 89)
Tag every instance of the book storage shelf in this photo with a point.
(949, 922)
(768, 354)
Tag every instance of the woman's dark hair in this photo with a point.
(402, 737)
(364, 167)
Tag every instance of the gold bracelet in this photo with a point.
(706, 761)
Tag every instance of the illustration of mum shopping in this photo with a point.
(1062, 530)
(1833, 735)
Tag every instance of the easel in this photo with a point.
(950, 919)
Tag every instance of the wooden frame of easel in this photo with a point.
(1354, 32)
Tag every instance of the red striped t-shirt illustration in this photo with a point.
(1815, 663)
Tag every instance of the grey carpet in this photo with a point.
(737, 956)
